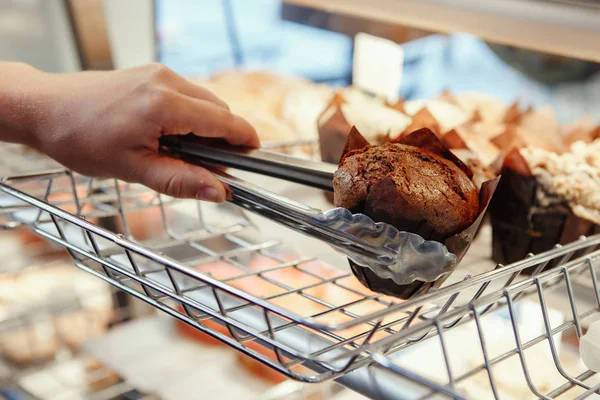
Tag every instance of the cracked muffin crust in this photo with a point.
(432, 193)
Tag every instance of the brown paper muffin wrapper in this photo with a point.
(521, 224)
(382, 205)
(333, 131)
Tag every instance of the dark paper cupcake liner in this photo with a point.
(386, 286)
(525, 220)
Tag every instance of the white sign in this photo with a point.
(377, 66)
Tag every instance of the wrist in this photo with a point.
(23, 103)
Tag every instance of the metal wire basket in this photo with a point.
(320, 324)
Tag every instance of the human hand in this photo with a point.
(108, 124)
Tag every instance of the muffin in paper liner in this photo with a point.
(382, 204)
(526, 219)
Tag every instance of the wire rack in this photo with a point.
(307, 320)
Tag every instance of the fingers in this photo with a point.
(198, 92)
(209, 120)
(178, 179)
(162, 75)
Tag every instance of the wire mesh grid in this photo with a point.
(530, 359)
(296, 314)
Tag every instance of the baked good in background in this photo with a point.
(586, 130)
(301, 108)
(143, 215)
(265, 100)
(237, 276)
(62, 198)
(49, 307)
(478, 122)
(98, 376)
(263, 88)
(417, 185)
(545, 198)
(28, 346)
(256, 368)
(220, 270)
(372, 117)
(291, 108)
(17, 252)
(481, 172)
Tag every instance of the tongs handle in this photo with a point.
(215, 152)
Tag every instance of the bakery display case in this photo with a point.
(241, 291)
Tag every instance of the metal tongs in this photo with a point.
(401, 256)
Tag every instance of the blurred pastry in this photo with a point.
(465, 139)
(488, 107)
(32, 342)
(99, 377)
(301, 108)
(264, 90)
(379, 122)
(56, 305)
(441, 113)
(586, 129)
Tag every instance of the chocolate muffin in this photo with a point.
(434, 195)
(545, 198)
(418, 186)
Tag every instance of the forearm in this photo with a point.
(22, 103)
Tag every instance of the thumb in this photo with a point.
(177, 178)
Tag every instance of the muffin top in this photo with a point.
(429, 189)
(573, 176)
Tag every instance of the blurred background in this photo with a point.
(49, 349)
(199, 38)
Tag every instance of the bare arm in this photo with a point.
(107, 124)
(17, 102)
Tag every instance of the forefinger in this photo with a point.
(207, 119)
(199, 92)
